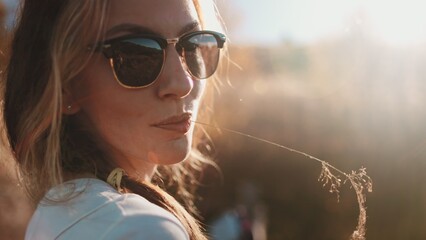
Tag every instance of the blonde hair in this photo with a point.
(46, 144)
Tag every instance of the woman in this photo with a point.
(100, 102)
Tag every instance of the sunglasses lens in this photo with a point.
(137, 62)
(201, 53)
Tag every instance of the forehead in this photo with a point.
(165, 17)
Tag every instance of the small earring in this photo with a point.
(69, 107)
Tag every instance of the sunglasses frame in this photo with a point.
(106, 47)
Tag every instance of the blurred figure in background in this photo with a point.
(246, 221)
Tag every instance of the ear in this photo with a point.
(69, 105)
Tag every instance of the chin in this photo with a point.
(176, 159)
(171, 154)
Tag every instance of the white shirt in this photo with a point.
(98, 211)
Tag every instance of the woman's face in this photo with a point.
(143, 127)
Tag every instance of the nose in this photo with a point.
(175, 81)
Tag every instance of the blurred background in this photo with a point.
(343, 80)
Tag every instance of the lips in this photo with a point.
(178, 123)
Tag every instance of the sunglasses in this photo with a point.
(137, 60)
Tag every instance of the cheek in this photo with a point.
(198, 94)
(96, 79)
(98, 93)
(123, 129)
(110, 109)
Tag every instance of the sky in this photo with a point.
(397, 22)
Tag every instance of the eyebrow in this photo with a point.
(138, 29)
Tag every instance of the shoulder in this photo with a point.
(137, 218)
(97, 211)
(147, 227)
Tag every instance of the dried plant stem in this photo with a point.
(359, 180)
